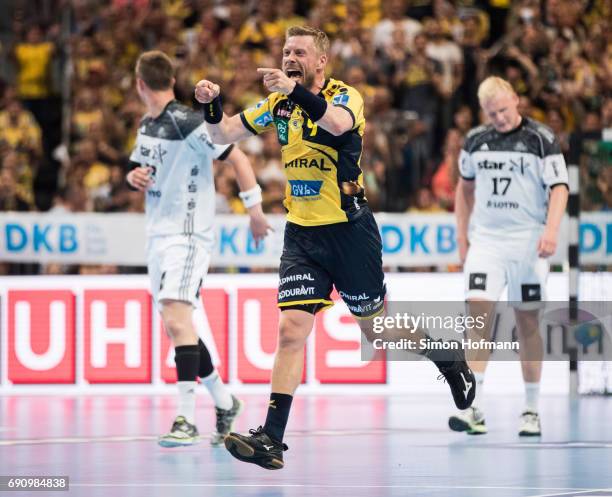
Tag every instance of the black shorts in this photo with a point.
(345, 255)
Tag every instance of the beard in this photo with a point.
(308, 78)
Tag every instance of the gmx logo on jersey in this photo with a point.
(304, 188)
(264, 119)
(341, 99)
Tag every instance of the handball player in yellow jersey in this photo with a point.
(331, 236)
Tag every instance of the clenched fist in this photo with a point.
(140, 178)
(206, 91)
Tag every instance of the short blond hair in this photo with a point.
(493, 87)
(319, 37)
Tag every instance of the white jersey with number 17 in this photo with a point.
(514, 173)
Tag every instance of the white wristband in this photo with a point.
(251, 197)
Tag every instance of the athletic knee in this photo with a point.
(370, 335)
(367, 330)
(527, 326)
(528, 331)
(292, 334)
(176, 327)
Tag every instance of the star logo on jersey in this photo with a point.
(159, 153)
(521, 165)
(492, 165)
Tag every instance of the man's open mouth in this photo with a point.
(293, 73)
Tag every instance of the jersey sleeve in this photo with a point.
(139, 152)
(258, 118)
(351, 100)
(554, 169)
(203, 144)
(466, 167)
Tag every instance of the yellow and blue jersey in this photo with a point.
(324, 178)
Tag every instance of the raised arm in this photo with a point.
(222, 129)
(337, 120)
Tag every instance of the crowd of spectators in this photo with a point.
(417, 63)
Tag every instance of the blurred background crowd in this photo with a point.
(69, 110)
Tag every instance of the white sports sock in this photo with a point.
(532, 396)
(187, 400)
(479, 391)
(218, 391)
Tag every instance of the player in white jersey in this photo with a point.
(173, 164)
(512, 194)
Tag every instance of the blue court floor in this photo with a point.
(338, 446)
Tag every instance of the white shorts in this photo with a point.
(489, 267)
(177, 266)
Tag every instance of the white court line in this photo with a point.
(576, 493)
(324, 433)
(75, 440)
(121, 438)
(128, 438)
